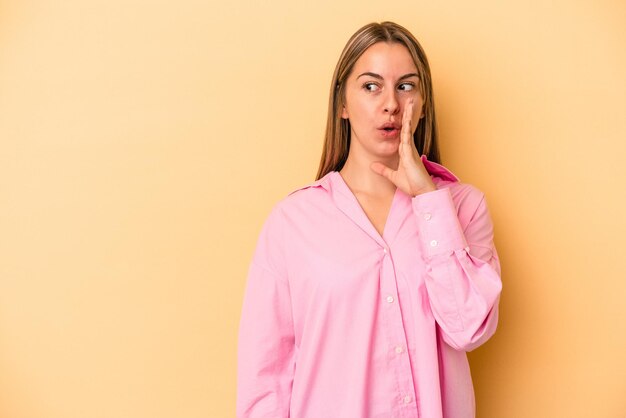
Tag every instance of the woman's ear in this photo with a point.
(344, 113)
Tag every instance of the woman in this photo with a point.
(368, 286)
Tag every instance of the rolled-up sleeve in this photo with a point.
(462, 267)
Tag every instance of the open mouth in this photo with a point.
(389, 127)
(389, 132)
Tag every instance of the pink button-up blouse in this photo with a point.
(341, 322)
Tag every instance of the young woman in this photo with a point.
(368, 285)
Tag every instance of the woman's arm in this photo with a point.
(462, 266)
(266, 350)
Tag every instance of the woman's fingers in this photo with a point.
(383, 170)
(406, 122)
(406, 135)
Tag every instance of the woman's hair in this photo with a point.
(337, 141)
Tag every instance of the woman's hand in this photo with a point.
(411, 176)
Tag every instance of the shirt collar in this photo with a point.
(438, 170)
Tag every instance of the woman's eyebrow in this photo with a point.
(378, 76)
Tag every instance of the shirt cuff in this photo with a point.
(438, 223)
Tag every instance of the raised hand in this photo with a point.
(411, 176)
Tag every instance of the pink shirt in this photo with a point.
(340, 322)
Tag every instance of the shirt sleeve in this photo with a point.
(266, 344)
(462, 267)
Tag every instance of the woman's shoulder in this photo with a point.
(466, 196)
(321, 183)
(301, 199)
(307, 193)
(443, 177)
(460, 190)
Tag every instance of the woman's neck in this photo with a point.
(360, 178)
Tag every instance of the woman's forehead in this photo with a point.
(386, 59)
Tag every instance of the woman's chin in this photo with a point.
(390, 145)
(388, 149)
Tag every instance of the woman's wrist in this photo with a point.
(424, 190)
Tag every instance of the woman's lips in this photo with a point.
(389, 133)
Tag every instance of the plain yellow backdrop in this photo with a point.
(143, 144)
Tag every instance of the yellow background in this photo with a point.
(144, 142)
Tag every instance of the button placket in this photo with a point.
(399, 364)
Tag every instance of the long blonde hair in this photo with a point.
(337, 141)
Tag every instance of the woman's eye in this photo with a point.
(370, 86)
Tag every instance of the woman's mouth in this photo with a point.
(389, 129)
(389, 132)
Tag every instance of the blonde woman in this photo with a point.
(369, 285)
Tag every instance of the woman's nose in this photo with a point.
(391, 103)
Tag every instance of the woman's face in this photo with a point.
(383, 79)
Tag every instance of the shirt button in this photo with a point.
(433, 243)
(399, 350)
(385, 250)
(389, 299)
(427, 216)
(407, 399)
